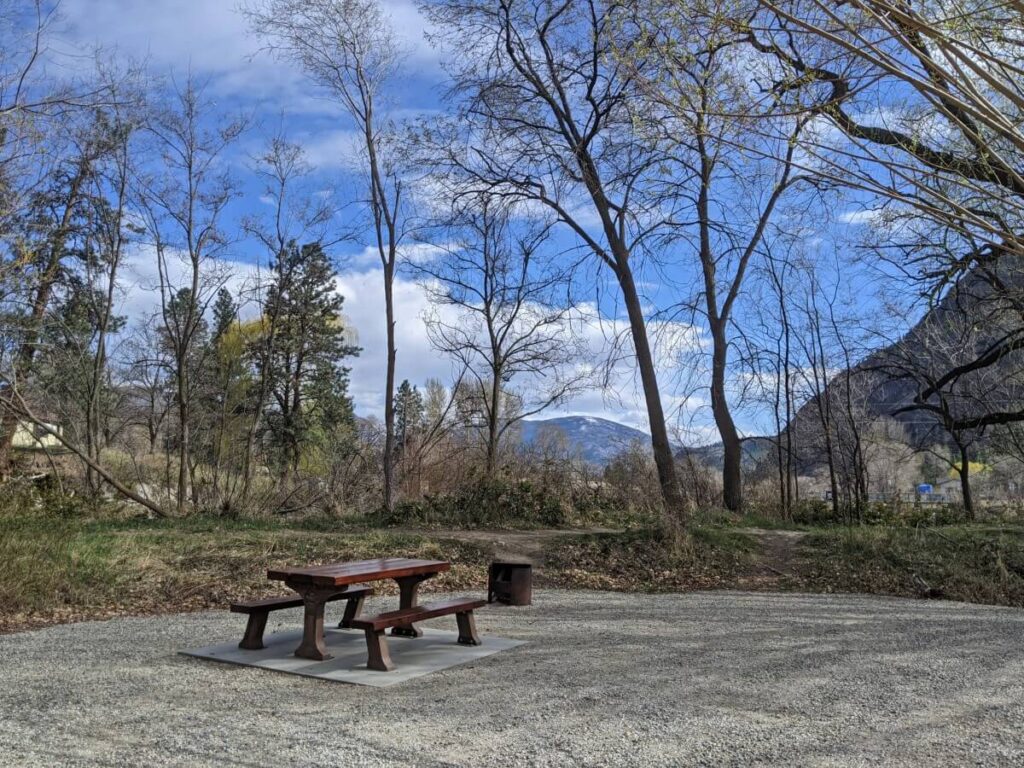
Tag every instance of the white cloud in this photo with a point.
(863, 216)
(340, 149)
(139, 280)
(174, 36)
(415, 359)
(620, 399)
(411, 29)
(212, 39)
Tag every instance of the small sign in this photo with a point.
(925, 489)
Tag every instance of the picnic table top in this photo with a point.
(342, 574)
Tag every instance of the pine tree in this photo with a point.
(225, 312)
(308, 383)
(408, 415)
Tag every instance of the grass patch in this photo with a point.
(650, 561)
(69, 569)
(49, 562)
(971, 563)
(976, 563)
(716, 517)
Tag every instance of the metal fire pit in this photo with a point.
(510, 583)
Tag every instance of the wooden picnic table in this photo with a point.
(319, 584)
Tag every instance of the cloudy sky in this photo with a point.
(210, 39)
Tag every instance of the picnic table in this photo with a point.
(318, 585)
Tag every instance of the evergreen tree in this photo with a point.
(225, 312)
(308, 383)
(225, 397)
(408, 414)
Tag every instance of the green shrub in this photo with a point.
(813, 512)
(496, 503)
(24, 498)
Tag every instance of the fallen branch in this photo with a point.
(24, 411)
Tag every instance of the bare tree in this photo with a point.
(816, 376)
(295, 216)
(552, 118)
(768, 359)
(182, 201)
(927, 101)
(349, 49)
(510, 327)
(148, 368)
(110, 207)
(737, 159)
(25, 90)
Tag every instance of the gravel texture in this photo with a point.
(606, 679)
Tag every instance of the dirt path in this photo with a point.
(777, 558)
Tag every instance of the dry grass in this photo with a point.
(972, 563)
(61, 570)
(649, 561)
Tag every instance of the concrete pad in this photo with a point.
(412, 657)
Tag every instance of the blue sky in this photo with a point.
(211, 40)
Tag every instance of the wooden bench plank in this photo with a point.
(417, 613)
(268, 604)
(294, 601)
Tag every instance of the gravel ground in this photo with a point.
(607, 679)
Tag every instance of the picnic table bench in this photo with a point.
(378, 656)
(318, 585)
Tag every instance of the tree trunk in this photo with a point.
(8, 423)
(675, 504)
(779, 458)
(183, 439)
(389, 390)
(493, 418)
(965, 481)
(792, 491)
(732, 452)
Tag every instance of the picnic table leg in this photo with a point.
(254, 628)
(378, 658)
(353, 608)
(312, 645)
(467, 628)
(408, 588)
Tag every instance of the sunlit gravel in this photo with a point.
(606, 680)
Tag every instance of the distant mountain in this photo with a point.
(960, 327)
(597, 441)
(754, 449)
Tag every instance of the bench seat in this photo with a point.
(259, 610)
(379, 658)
